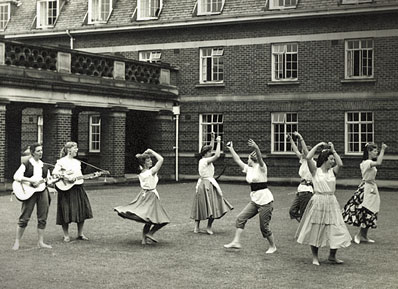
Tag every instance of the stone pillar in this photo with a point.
(3, 110)
(13, 130)
(57, 130)
(113, 139)
(162, 140)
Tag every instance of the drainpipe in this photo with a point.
(71, 38)
(176, 112)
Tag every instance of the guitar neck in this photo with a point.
(83, 177)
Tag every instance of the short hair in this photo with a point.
(323, 157)
(33, 147)
(205, 149)
(368, 147)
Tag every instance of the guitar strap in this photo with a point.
(102, 170)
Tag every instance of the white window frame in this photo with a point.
(210, 122)
(282, 4)
(40, 129)
(362, 137)
(95, 17)
(364, 54)
(4, 22)
(206, 7)
(280, 68)
(92, 125)
(150, 56)
(42, 21)
(216, 56)
(149, 6)
(288, 126)
(355, 1)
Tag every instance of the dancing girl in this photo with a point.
(322, 223)
(362, 208)
(209, 202)
(261, 202)
(146, 207)
(305, 188)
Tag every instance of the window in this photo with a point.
(40, 129)
(206, 7)
(99, 11)
(282, 4)
(95, 134)
(47, 13)
(355, 1)
(210, 123)
(283, 123)
(4, 15)
(359, 58)
(150, 56)
(359, 131)
(211, 65)
(284, 62)
(149, 9)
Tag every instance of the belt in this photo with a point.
(306, 182)
(258, 186)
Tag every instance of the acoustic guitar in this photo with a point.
(64, 184)
(24, 190)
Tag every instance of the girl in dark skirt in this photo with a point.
(146, 207)
(362, 208)
(73, 203)
(209, 202)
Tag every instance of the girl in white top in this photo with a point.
(261, 198)
(146, 207)
(363, 207)
(305, 188)
(209, 202)
(322, 223)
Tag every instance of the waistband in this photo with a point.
(258, 186)
(324, 193)
(306, 182)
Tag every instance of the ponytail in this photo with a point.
(64, 150)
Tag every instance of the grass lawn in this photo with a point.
(115, 258)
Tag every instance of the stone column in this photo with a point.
(113, 139)
(57, 130)
(13, 130)
(3, 110)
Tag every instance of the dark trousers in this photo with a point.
(42, 202)
(252, 209)
(299, 204)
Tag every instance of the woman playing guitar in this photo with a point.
(73, 203)
(32, 171)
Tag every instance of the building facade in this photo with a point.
(246, 69)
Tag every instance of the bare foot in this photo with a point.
(209, 231)
(44, 245)
(143, 241)
(150, 237)
(196, 230)
(315, 262)
(271, 250)
(233, 245)
(16, 246)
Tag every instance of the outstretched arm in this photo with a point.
(218, 151)
(235, 156)
(302, 142)
(293, 144)
(159, 159)
(253, 145)
(339, 162)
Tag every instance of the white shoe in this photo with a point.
(271, 250)
(357, 240)
(233, 245)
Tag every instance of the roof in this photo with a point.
(176, 12)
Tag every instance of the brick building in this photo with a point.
(257, 69)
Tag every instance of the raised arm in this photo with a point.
(310, 155)
(218, 151)
(339, 162)
(293, 144)
(302, 142)
(254, 146)
(235, 156)
(159, 159)
(212, 138)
